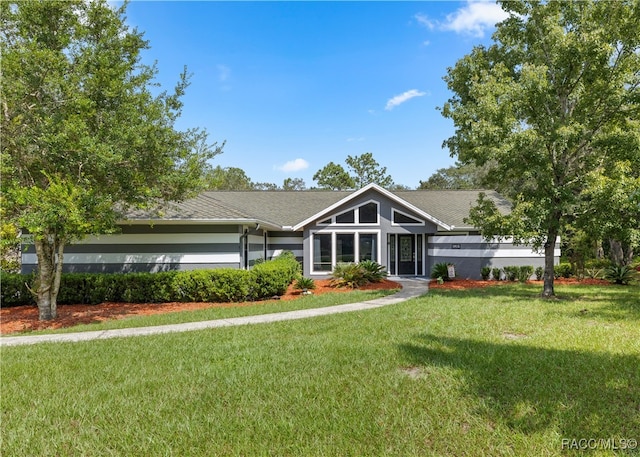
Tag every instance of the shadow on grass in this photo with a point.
(528, 389)
(610, 301)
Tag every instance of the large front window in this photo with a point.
(322, 252)
(332, 248)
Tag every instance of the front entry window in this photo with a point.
(332, 248)
(345, 247)
(322, 252)
(368, 247)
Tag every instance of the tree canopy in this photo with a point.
(84, 134)
(552, 102)
(364, 170)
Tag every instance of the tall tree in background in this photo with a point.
(364, 170)
(83, 136)
(547, 102)
(229, 178)
(458, 176)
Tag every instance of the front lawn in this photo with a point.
(484, 372)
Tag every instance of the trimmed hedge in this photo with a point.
(265, 280)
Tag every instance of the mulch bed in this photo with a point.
(25, 318)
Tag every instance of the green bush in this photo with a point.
(374, 272)
(14, 290)
(564, 270)
(496, 273)
(539, 273)
(440, 270)
(303, 283)
(485, 272)
(619, 274)
(220, 285)
(511, 273)
(349, 275)
(524, 273)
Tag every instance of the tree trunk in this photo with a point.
(616, 252)
(49, 250)
(549, 257)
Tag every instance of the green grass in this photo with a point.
(263, 307)
(489, 372)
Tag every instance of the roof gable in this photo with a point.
(354, 195)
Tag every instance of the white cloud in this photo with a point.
(424, 20)
(475, 18)
(294, 165)
(224, 72)
(399, 99)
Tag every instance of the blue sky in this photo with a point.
(292, 86)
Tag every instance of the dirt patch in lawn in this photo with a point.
(25, 318)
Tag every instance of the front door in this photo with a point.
(406, 255)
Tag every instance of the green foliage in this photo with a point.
(485, 272)
(511, 273)
(349, 275)
(221, 285)
(440, 270)
(524, 273)
(539, 271)
(547, 125)
(15, 289)
(364, 170)
(563, 270)
(85, 133)
(353, 275)
(619, 274)
(303, 283)
(496, 273)
(374, 272)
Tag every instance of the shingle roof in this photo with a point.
(288, 208)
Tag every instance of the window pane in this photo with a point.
(345, 247)
(346, 218)
(322, 252)
(368, 213)
(399, 218)
(368, 247)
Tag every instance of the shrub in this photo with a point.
(303, 283)
(524, 273)
(485, 272)
(14, 290)
(374, 272)
(511, 273)
(440, 270)
(539, 273)
(349, 275)
(563, 270)
(496, 273)
(619, 274)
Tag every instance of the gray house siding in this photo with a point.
(469, 253)
(277, 242)
(143, 248)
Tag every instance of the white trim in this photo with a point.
(162, 238)
(488, 253)
(98, 258)
(322, 214)
(356, 216)
(405, 224)
(356, 248)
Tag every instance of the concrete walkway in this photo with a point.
(410, 288)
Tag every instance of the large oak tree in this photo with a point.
(86, 132)
(547, 103)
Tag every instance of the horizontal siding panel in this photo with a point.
(150, 248)
(143, 258)
(487, 253)
(163, 238)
